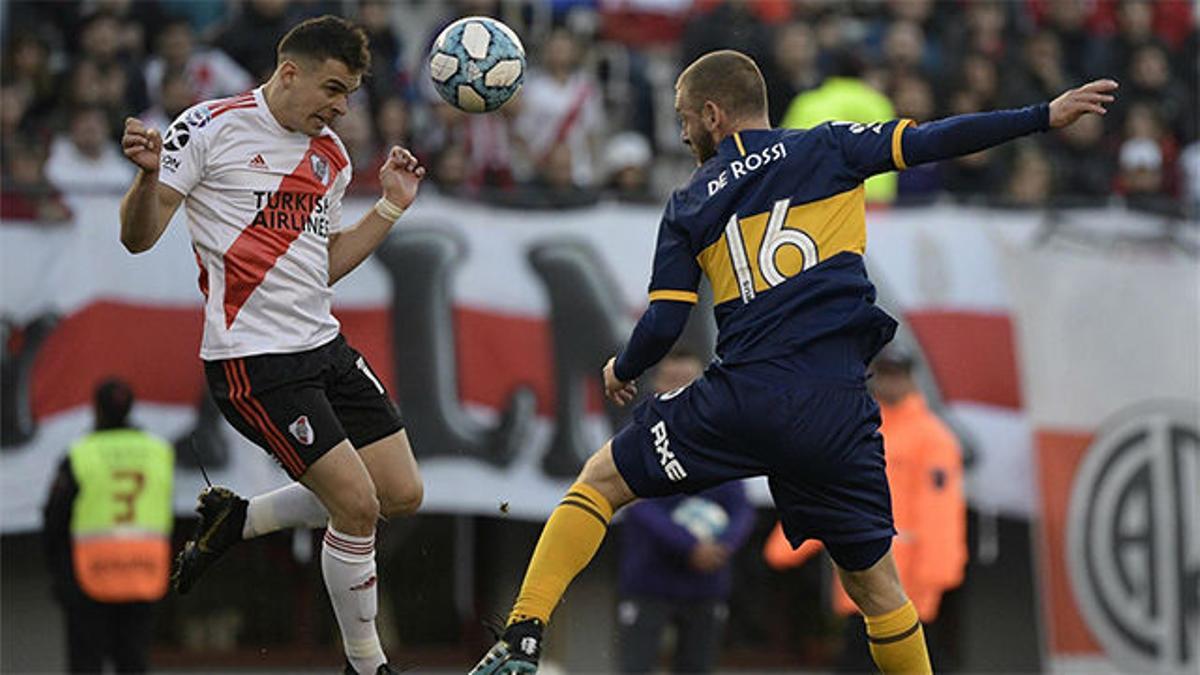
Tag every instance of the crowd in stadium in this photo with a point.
(595, 118)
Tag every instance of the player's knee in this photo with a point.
(600, 472)
(402, 501)
(874, 587)
(357, 513)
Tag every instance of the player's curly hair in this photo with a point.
(728, 78)
(328, 37)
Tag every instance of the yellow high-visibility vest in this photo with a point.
(121, 519)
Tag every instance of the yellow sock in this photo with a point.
(897, 641)
(571, 537)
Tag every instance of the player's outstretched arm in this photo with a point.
(400, 177)
(966, 134)
(148, 205)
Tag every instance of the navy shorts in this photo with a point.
(299, 406)
(819, 446)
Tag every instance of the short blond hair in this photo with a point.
(728, 78)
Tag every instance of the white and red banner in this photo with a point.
(1070, 364)
(1110, 369)
(488, 325)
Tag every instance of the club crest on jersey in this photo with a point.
(199, 117)
(320, 167)
(302, 430)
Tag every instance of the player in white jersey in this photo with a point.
(261, 177)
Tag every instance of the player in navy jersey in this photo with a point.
(775, 219)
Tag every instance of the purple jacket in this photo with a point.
(656, 543)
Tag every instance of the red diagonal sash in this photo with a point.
(260, 245)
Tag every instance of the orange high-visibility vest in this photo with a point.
(121, 519)
(924, 470)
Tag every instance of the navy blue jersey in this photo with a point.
(777, 222)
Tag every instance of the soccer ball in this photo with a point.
(477, 64)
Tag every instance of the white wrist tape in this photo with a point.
(387, 210)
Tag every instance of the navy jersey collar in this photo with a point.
(741, 143)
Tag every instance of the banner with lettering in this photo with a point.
(488, 325)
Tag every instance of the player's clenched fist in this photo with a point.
(141, 144)
(617, 391)
(400, 176)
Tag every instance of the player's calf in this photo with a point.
(894, 633)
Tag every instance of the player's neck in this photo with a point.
(272, 94)
(752, 124)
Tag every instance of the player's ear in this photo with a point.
(710, 115)
(288, 70)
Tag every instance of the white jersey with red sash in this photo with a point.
(261, 204)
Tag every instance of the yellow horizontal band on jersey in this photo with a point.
(897, 150)
(678, 296)
(737, 138)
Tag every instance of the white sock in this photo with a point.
(348, 565)
(290, 506)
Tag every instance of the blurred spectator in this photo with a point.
(1135, 27)
(174, 97)
(561, 106)
(391, 123)
(553, 185)
(390, 127)
(250, 36)
(450, 170)
(976, 175)
(1141, 166)
(118, 78)
(1031, 180)
(388, 74)
(904, 49)
(792, 69)
(627, 163)
(844, 96)
(913, 97)
(26, 67)
(210, 72)
(107, 534)
(61, 56)
(987, 29)
(25, 194)
(675, 562)
(1144, 121)
(1150, 80)
(87, 159)
(357, 131)
(1081, 50)
(980, 76)
(1075, 153)
(14, 107)
(138, 22)
(1043, 75)
(727, 24)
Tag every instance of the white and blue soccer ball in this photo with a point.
(704, 518)
(477, 64)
